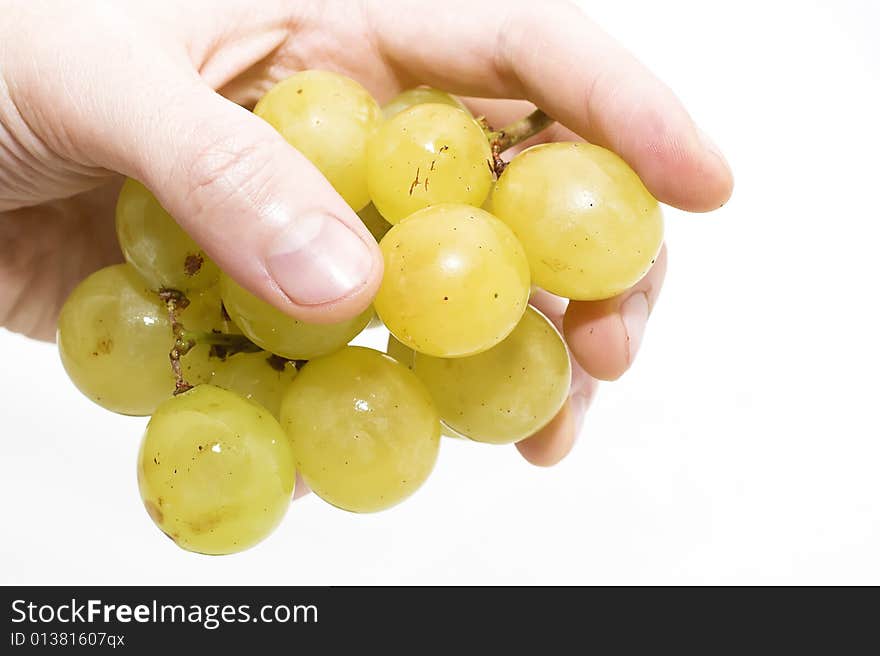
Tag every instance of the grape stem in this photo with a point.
(174, 301)
(231, 343)
(222, 344)
(515, 133)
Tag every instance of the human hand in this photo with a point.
(128, 87)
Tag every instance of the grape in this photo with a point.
(420, 96)
(328, 118)
(375, 222)
(406, 356)
(204, 314)
(215, 471)
(363, 428)
(506, 393)
(258, 377)
(114, 337)
(590, 228)
(427, 154)
(456, 281)
(400, 352)
(281, 334)
(152, 242)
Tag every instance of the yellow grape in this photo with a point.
(257, 377)
(364, 430)
(506, 393)
(400, 352)
(375, 222)
(114, 338)
(203, 314)
(426, 155)
(456, 281)
(420, 96)
(152, 242)
(406, 356)
(215, 471)
(281, 334)
(328, 118)
(589, 226)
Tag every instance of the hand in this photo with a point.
(128, 87)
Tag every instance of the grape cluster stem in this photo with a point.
(177, 301)
(514, 134)
(222, 344)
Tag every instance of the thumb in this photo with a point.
(256, 205)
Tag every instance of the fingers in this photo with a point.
(499, 113)
(551, 54)
(300, 489)
(604, 336)
(256, 205)
(553, 442)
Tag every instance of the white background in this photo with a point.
(744, 447)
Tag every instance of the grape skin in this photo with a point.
(399, 351)
(504, 394)
(589, 226)
(156, 246)
(420, 96)
(328, 118)
(364, 429)
(215, 472)
(456, 281)
(425, 155)
(114, 337)
(256, 377)
(281, 334)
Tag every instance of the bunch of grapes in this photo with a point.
(250, 396)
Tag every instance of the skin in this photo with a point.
(76, 112)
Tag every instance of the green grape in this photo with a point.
(375, 222)
(328, 118)
(406, 356)
(281, 334)
(456, 281)
(204, 314)
(258, 377)
(400, 352)
(426, 155)
(364, 430)
(114, 338)
(156, 246)
(216, 472)
(506, 393)
(420, 96)
(590, 228)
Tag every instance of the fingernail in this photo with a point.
(579, 404)
(634, 314)
(318, 259)
(711, 146)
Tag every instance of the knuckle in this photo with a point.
(228, 169)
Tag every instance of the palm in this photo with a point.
(48, 248)
(45, 250)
